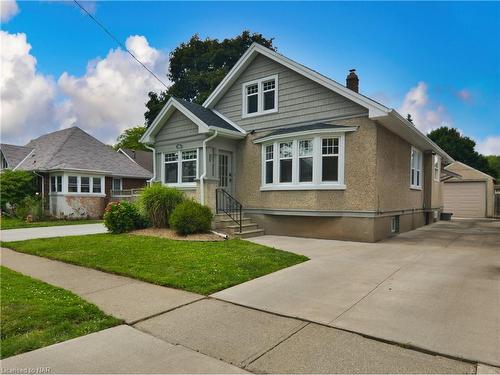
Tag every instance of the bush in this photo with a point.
(29, 206)
(15, 186)
(191, 217)
(120, 217)
(158, 202)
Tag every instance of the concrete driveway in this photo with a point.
(436, 288)
(55, 231)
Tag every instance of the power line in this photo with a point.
(118, 42)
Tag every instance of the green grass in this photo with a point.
(14, 223)
(200, 267)
(36, 314)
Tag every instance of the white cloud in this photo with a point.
(489, 145)
(27, 96)
(425, 114)
(8, 9)
(464, 95)
(111, 95)
(108, 98)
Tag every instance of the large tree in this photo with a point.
(198, 66)
(460, 148)
(130, 138)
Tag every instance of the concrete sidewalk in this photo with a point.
(122, 297)
(56, 231)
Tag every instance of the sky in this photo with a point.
(438, 61)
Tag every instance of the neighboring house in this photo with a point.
(76, 172)
(143, 158)
(470, 193)
(11, 155)
(302, 154)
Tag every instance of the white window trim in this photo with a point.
(437, 158)
(260, 97)
(419, 168)
(50, 184)
(179, 183)
(316, 183)
(65, 185)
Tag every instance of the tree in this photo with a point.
(198, 66)
(130, 138)
(15, 186)
(460, 148)
(494, 163)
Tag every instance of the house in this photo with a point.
(469, 193)
(299, 154)
(76, 172)
(141, 157)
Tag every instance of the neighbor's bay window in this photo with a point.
(73, 184)
(416, 169)
(180, 167)
(96, 185)
(301, 163)
(78, 184)
(260, 96)
(55, 184)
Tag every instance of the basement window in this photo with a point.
(395, 224)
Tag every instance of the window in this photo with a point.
(84, 184)
(269, 163)
(72, 184)
(56, 184)
(96, 185)
(395, 224)
(117, 184)
(260, 96)
(416, 169)
(437, 167)
(314, 162)
(286, 162)
(180, 167)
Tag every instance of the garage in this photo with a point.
(465, 199)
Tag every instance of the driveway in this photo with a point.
(55, 231)
(436, 288)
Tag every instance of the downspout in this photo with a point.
(43, 189)
(154, 163)
(202, 177)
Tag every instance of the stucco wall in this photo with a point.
(360, 169)
(77, 206)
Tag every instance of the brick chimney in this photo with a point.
(352, 80)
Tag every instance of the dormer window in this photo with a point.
(260, 97)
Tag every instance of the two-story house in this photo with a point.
(302, 154)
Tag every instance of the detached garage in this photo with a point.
(468, 192)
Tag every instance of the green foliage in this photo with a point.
(35, 314)
(30, 206)
(15, 186)
(158, 202)
(494, 163)
(198, 66)
(460, 148)
(7, 222)
(191, 217)
(120, 217)
(130, 138)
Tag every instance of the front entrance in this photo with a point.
(226, 171)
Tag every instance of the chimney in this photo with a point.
(352, 80)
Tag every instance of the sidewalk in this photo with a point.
(56, 231)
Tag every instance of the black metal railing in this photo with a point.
(227, 204)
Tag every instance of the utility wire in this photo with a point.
(118, 42)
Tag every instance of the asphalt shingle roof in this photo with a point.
(141, 157)
(73, 148)
(14, 154)
(206, 115)
(296, 129)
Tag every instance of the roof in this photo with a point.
(466, 172)
(206, 115)
(14, 154)
(74, 149)
(305, 128)
(141, 157)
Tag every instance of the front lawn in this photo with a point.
(36, 314)
(14, 223)
(200, 267)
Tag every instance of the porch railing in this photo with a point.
(126, 193)
(227, 204)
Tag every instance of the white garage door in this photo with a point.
(465, 199)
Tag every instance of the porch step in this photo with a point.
(246, 226)
(224, 223)
(249, 233)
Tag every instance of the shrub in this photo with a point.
(158, 203)
(191, 217)
(15, 186)
(120, 217)
(30, 206)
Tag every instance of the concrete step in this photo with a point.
(232, 229)
(224, 223)
(249, 233)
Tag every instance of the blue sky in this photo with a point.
(444, 58)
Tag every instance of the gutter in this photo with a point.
(43, 189)
(202, 177)
(154, 163)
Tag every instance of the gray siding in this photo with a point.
(176, 128)
(299, 99)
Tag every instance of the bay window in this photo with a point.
(72, 184)
(415, 169)
(55, 184)
(260, 96)
(84, 184)
(303, 163)
(180, 167)
(96, 185)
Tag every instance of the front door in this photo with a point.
(226, 170)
